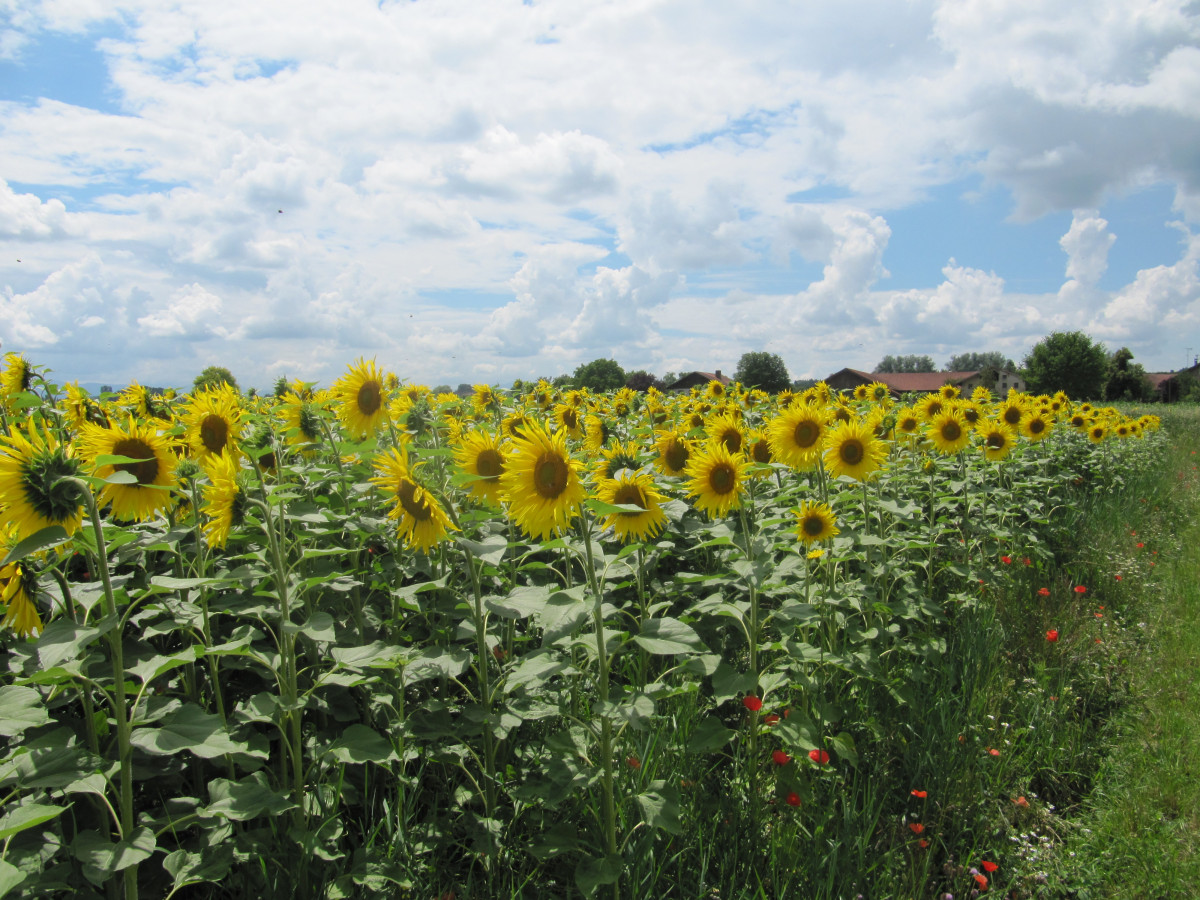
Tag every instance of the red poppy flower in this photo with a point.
(1021, 802)
(1044, 592)
(916, 827)
(633, 762)
(771, 718)
(921, 794)
(922, 843)
(1118, 578)
(1007, 560)
(989, 867)
(820, 757)
(992, 751)
(1027, 561)
(1140, 545)
(1052, 635)
(1080, 589)
(982, 881)
(752, 703)
(781, 758)
(793, 799)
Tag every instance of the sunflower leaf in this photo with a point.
(39, 540)
(600, 508)
(112, 459)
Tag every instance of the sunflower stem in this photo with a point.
(485, 687)
(120, 706)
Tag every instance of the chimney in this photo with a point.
(718, 373)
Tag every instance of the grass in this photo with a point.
(1138, 832)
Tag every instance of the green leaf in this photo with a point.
(376, 655)
(39, 540)
(359, 744)
(522, 603)
(211, 865)
(669, 636)
(240, 801)
(149, 669)
(660, 809)
(844, 745)
(536, 669)
(600, 508)
(319, 628)
(189, 728)
(27, 816)
(20, 708)
(590, 874)
(51, 761)
(437, 663)
(101, 858)
(710, 735)
(113, 459)
(10, 877)
(64, 640)
(490, 551)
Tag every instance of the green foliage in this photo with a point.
(642, 380)
(1068, 361)
(764, 371)
(213, 377)
(974, 362)
(910, 363)
(600, 375)
(1126, 379)
(281, 387)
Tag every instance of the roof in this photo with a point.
(904, 382)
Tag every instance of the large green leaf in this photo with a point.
(10, 877)
(192, 729)
(522, 603)
(149, 669)
(27, 816)
(211, 865)
(359, 744)
(668, 637)
(44, 539)
(51, 761)
(20, 708)
(591, 873)
(101, 858)
(711, 734)
(660, 808)
(243, 800)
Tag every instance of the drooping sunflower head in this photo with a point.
(996, 439)
(362, 399)
(17, 376)
(674, 451)
(33, 494)
(541, 483)
(213, 421)
(79, 407)
(17, 595)
(567, 416)
(631, 488)
(224, 498)
(301, 421)
(149, 472)
(815, 522)
(948, 432)
(716, 478)
(597, 433)
(796, 435)
(851, 449)
(478, 455)
(616, 458)
(981, 395)
(421, 522)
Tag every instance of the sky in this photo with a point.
(471, 191)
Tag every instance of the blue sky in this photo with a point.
(482, 192)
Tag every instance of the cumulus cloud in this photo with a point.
(25, 217)
(190, 312)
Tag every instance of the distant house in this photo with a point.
(698, 379)
(924, 382)
(1166, 384)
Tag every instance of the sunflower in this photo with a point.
(878, 392)
(541, 483)
(981, 395)
(420, 519)
(727, 430)
(514, 423)
(213, 423)
(615, 458)
(20, 587)
(478, 453)
(1078, 421)
(633, 489)
(1011, 411)
(301, 421)
(224, 498)
(1097, 432)
(79, 407)
(996, 439)
(362, 406)
(153, 468)
(1036, 425)
(851, 449)
(796, 435)
(758, 448)
(815, 522)
(32, 497)
(674, 451)
(970, 412)
(930, 405)
(948, 432)
(716, 479)
(907, 421)
(949, 392)
(597, 434)
(567, 417)
(860, 392)
(714, 390)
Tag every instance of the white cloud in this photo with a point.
(189, 313)
(26, 217)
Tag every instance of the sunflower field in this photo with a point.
(375, 641)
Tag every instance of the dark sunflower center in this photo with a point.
(1037, 426)
(951, 431)
(51, 502)
(488, 464)
(934, 408)
(996, 441)
(214, 433)
(842, 415)
(631, 494)
(813, 526)
(370, 398)
(761, 452)
(908, 424)
(416, 506)
(852, 452)
(145, 471)
(971, 415)
(806, 434)
(550, 474)
(1012, 415)
(697, 420)
(732, 439)
(570, 418)
(676, 455)
(722, 478)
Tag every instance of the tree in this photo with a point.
(1126, 379)
(642, 380)
(764, 371)
(975, 362)
(214, 377)
(890, 365)
(1068, 361)
(600, 375)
